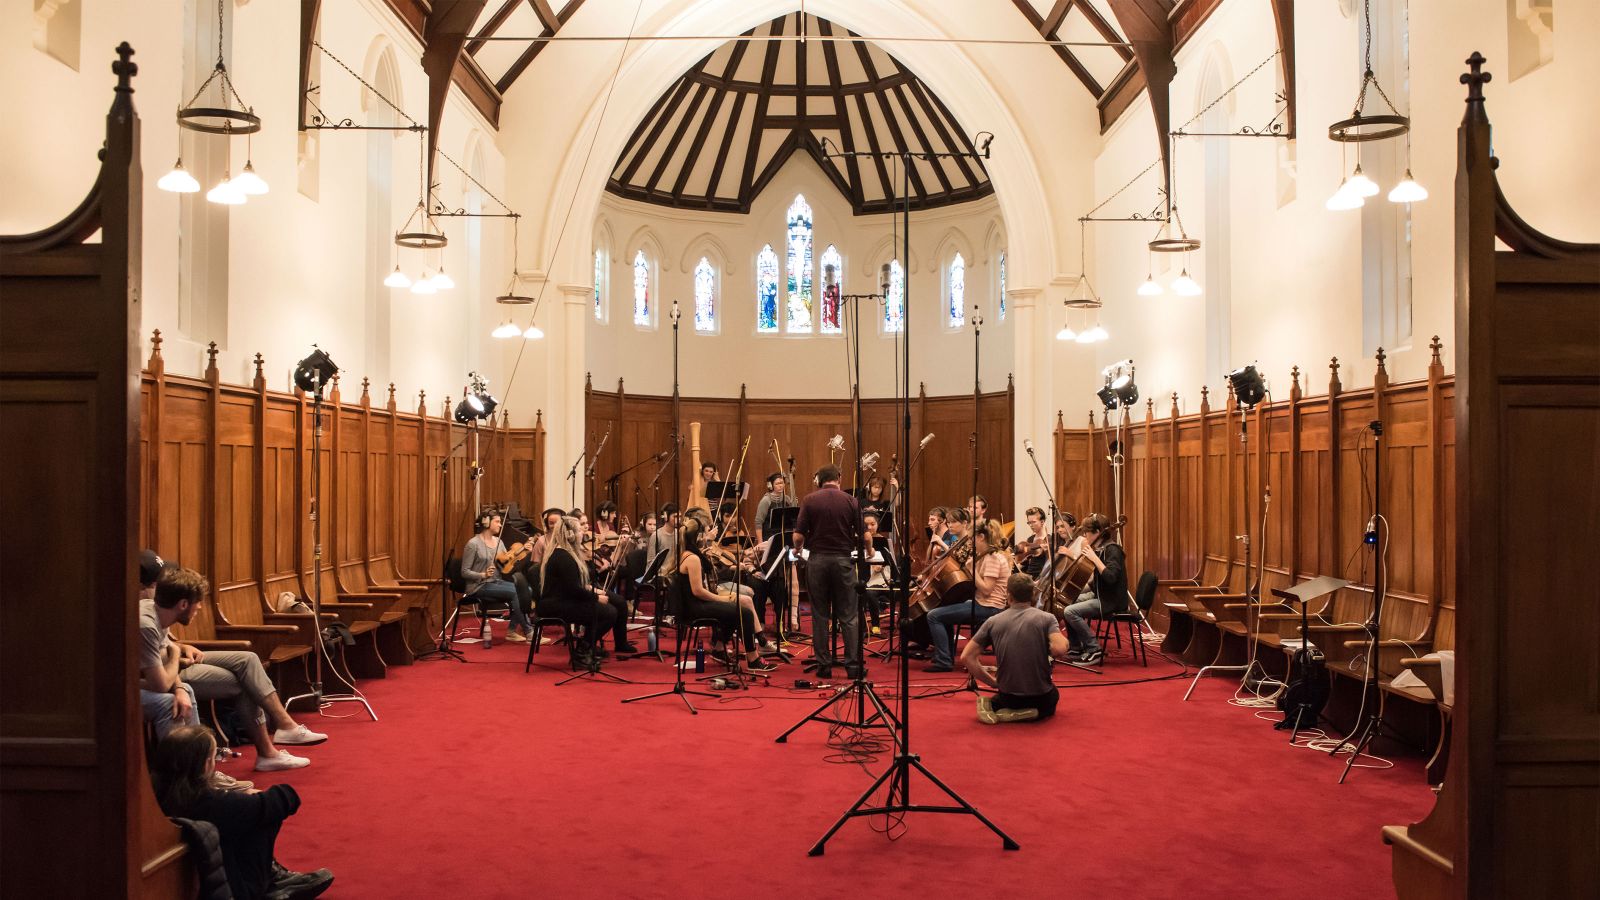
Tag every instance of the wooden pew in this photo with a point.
(374, 621)
(1180, 627)
(424, 622)
(1238, 617)
(1430, 671)
(1204, 646)
(412, 605)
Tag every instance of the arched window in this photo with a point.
(799, 253)
(599, 278)
(767, 290)
(641, 289)
(957, 315)
(705, 297)
(832, 289)
(894, 305)
(1002, 285)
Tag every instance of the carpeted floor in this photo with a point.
(480, 781)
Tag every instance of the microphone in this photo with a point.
(595, 459)
(1027, 444)
(925, 442)
(661, 456)
(883, 279)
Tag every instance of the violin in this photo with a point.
(512, 558)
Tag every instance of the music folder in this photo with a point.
(1306, 591)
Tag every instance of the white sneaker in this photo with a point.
(298, 735)
(516, 637)
(283, 761)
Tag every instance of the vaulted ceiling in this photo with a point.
(718, 135)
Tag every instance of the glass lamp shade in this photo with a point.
(1099, 333)
(1185, 286)
(1408, 191)
(533, 333)
(423, 284)
(442, 281)
(397, 278)
(178, 181)
(249, 182)
(1066, 334)
(505, 330)
(226, 193)
(1361, 185)
(1149, 288)
(1344, 198)
(1085, 336)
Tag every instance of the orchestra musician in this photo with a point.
(569, 595)
(482, 575)
(1109, 588)
(939, 527)
(876, 583)
(665, 537)
(1033, 550)
(990, 573)
(698, 601)
(830, 528)
(777, 496)
(978, 509)
(876, 497)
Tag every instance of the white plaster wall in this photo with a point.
(297, 270)
(782, 365)
(1295, 269)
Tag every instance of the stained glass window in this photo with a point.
(599, 273)
(767, 290)
(1002, 285)
(705, 297)
(641, 289)
(958, 292)
(894, 305)
(832, 289)
(799, 257)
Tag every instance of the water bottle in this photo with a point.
(488, 635)
(650, 640)
(699, 660)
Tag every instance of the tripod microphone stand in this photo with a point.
(1372, 725)
(316, 694)
(444, 648)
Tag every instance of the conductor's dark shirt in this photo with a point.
(830, 522)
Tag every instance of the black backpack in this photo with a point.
(1307, 693)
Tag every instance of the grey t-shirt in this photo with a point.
(1021, 639)
(153, 639)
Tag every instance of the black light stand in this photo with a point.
(1246, 395)
(1371, 697)
(444, 648)
(311, 375)
(897, 776)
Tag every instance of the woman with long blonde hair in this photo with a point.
(565, 593)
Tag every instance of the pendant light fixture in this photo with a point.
(506, 329)
(441, 281)
(397, 278)
(511, 298)
(233, 117)
(1150, 288)
(1362, 128)
(1183, 285)
(424, 285)
(1083, 295)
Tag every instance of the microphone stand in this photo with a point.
(594, 461)
(1054, 546)
(572, 476)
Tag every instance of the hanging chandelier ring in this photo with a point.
(219, 120)
(1084, 303)
(1359, 129)
(420, 240)
(1174, 245)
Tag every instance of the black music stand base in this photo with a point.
(862, 692)
(900, 773)
(594, 672)
(682, 690)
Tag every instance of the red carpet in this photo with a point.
(480, 781)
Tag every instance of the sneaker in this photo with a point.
(628, 647)
(291, 885)
(1003, 716)
(282, 762)
(516, 637)
(222, 781)
(297, 736)
(876, 631)
(1091, 657)
(986, 713)
(760, 665)
(937, 667)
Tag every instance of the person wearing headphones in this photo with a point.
(482, 575)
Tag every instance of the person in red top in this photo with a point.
(992, 570)
(830, 528)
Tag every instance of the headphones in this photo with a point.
(484, 518)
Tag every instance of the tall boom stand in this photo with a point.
(897, 776)
(1371, 696)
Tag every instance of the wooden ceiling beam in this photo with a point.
(1105, 29)
(735, 57)
(830, 59)
(937, 115)
(444, 35)
(769, 68)
(493, 25)
(1148, 25)
(922, 139)
(678, 134)
(667, 114)
(1283, 18)
(534, 47)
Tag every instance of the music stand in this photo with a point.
(1306, 592)
(725, 492)
(678, 687)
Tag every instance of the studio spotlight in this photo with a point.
(1248, 387)
(465, 414)
(1127, 392)
(315, 371)
(481, 401)
(1107, 397)
(1120, 390)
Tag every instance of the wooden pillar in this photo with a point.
(1206, 490)
(157, 370)
(1330, 561)
(258, 529)
(1432, 516)
(1173, 550)
(1291, 498)
(209, 499)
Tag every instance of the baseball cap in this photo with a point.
(149, 567)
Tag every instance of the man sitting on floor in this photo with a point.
(214, 674)
(1024, 638)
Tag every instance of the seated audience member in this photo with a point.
(234, 675)
(164, 710)
(247, 822)
(1024, 638)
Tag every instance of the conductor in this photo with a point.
(830, 528)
